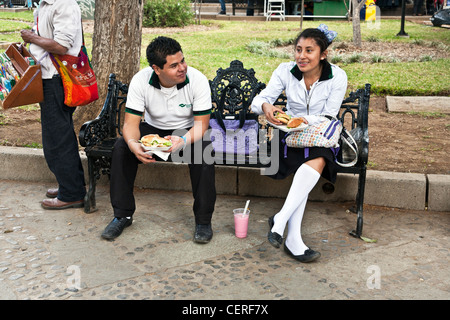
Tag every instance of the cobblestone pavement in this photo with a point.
(59, 255)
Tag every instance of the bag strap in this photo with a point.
(348, 138)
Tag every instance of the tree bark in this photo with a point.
(356, 22)
(116, 48)
(301, 15)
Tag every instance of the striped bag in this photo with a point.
(325, 134)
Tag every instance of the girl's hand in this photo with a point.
(270, 111)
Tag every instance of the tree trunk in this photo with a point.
(356, 22)
(301, 15)
(116, 48)
(198, 11)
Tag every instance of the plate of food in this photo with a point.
(153, 142)
(290, 124)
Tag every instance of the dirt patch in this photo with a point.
(21, 127)
(399, 142)
(388, 52)
(404, 142)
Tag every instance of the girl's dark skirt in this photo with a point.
(291, 159)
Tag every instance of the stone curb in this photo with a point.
(391, 189)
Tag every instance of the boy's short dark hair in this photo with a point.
(159, 48)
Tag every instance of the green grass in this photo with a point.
(212, 49)
(12, 26)
(245, 41)
(22, 15)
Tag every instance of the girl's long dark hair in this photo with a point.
(317, 35)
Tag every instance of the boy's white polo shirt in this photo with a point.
(169, 108)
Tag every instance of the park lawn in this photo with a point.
(213, 49)
(229, 40)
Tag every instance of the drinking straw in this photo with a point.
(246, 206)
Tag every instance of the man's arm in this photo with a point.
(48, 45)
(201, 124)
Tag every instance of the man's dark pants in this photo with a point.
(124, 165)
(60, 142)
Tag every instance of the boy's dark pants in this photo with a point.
(124, 167)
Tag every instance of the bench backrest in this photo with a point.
(240, 77)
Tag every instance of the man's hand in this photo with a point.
(27, 35)
(139, 152)
(177, 143)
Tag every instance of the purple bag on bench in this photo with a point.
(234, 140)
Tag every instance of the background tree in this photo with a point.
(116, 48)
(357, 6)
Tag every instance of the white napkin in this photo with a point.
(163, 155)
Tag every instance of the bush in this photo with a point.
(167, 13)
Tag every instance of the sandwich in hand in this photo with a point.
(289, 121)
(155, 141)
(282, 117)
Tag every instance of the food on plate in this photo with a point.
(295, 122)
(283, 117)
(155, 141)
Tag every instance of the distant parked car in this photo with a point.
(441, 17)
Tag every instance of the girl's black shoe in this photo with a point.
(308, 256)
(274, 238)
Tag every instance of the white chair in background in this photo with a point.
(275, 8)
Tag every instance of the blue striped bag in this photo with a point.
(325, 134)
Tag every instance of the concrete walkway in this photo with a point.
(59, 255)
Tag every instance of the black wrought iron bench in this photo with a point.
(99, 135)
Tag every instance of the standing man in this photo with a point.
(223, 8)
(171, 97)
(417, 9)
(58, 30)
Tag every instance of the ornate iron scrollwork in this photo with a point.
(243, 78)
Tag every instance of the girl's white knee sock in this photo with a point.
(294, 240)
(304, 181)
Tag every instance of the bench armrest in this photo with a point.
(107, 123)
(355, 111)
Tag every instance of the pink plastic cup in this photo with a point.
(241, 222)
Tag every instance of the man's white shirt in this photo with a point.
(169, 108)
